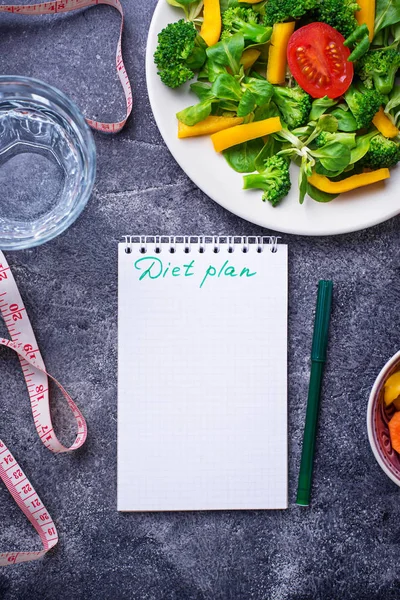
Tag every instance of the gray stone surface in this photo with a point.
(345, 546)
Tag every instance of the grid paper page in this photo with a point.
(202, 379)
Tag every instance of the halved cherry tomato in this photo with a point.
(318, 60)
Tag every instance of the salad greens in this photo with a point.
(387, 16)
(332, 137)
(247, 22)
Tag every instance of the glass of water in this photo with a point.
(47, 162)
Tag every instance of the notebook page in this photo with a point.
(202, 379)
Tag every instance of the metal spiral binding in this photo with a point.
(245, 244)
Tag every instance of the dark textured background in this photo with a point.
(346, 545)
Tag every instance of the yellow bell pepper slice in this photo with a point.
(392, 388)
(367, 15)
(384, 124)
(249, 57)
(351, 183)
(244, 133)
(212, 22)
(276, 68)
(207, 126)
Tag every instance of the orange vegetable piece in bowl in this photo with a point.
(394, 429)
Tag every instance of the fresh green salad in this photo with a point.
(308, 81)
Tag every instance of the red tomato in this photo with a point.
(318, 60)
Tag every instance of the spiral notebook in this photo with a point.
(202, 374)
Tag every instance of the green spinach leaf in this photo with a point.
(394, 99)
(261, 89)
(227, 53)
(387, 13)
(303, 182)
(225, 4)
(346, 121)
(328, 123)
(243, 156)
(265, 112)
(333, 156)
(318, 195)
(247, 104)
(363, 143)
(322, 171)
(227, 87)
(194, 114)
(270, 148)
(395, 33)
(202, 90)
(210, 71)
(320, 106)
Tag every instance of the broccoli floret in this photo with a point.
(363, 103)
(323, 138)
(382, 153)
(277, 11)
(179, 53)
(378, 69)
(274, 180)
(245, 21)
(338, 14)
(294, 104)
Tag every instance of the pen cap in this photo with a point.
(322, 318)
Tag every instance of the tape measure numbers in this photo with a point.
(23, 342)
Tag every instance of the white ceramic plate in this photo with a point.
(212, 174)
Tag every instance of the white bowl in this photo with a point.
(377, 419)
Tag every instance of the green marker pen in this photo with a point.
(318, 358)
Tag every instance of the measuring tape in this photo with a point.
(23, 342)
(62, 6)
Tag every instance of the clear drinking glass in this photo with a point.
(47, 162)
